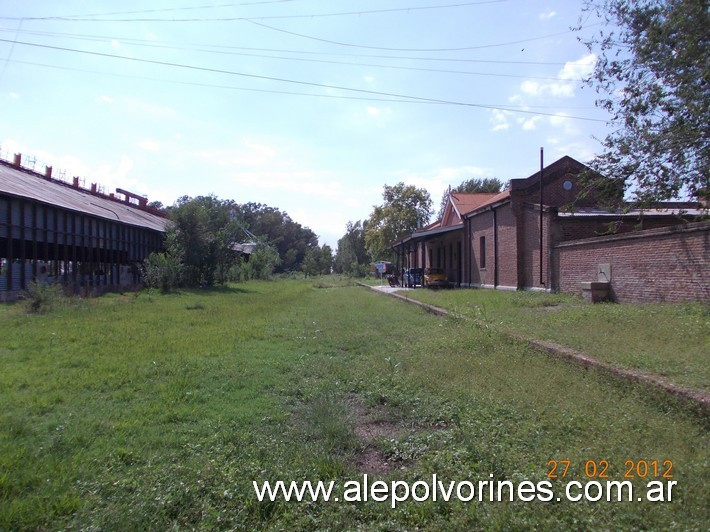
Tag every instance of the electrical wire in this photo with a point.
(288, 93)
(297, 82)
(330, 62)
(92, 18)
(207, 47)
(458, 49)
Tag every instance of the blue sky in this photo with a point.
(309, 106)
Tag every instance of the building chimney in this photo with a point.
(75, 182)
(48, 172)
(93, 188)
(18, 159)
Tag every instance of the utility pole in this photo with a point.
(542, 278)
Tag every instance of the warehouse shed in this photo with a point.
(57, 231)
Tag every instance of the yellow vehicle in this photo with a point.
(435, 277)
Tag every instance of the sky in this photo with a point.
(308, 106)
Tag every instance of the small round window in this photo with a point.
(567, 185)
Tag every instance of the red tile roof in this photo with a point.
(495, 198)
(466, 203)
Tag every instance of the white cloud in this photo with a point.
(529, 124)
(499, 120)
(149, 145)
(115, 43)
(547, 15)
(440, 179)
(581, 151)
(381, 113)
(150, 109)
(14, 95)
(105, 99)
(246, 154)
(307, 183)
(568, 78)
(579, 69)
(556, 89)
(565, 123)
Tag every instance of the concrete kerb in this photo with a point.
(698, 399)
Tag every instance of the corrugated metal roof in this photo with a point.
(633, 213)
(25, 184)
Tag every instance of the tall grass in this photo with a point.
(670, 341)
(136, 413)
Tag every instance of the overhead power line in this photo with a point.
(209, 47)
(287, 93)
(230, 51)
(457, 49)
(94, 18)
(291, 81)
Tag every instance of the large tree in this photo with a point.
(204, 230)
(653, 76)
(291, 239)
(472, 186)
(405, 209)
(352, 257)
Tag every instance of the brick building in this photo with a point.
(510, 240)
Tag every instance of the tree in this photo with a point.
(290, 239)
(653, 76)
(472, 186)
(204, 230)
(405, 209)
(352, 258)
(260, 265)
(318, 261)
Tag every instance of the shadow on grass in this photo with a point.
(216, 290)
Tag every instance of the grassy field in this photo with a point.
(669, 341)
(125, 413)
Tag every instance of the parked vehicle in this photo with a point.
(435, 277)
(413, 277)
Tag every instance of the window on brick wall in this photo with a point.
(482, 252)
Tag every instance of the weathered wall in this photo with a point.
(667, 264)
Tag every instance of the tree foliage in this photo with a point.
(472, 186)
(204, 230)
(261, 264)
(653, 76)
(351, 257)
(318, 261)
(289, 238)
(405, 209)
(162, 270)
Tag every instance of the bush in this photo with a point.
(44, 297)
(162, 270)
(260, 265)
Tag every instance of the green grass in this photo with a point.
(670, 341)
(125, 413)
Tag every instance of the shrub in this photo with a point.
(162, 270)
(44, 297)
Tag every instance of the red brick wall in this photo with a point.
(668, 264)
(507, 247)
(529, 260)
(554, 192)
(483, 225)
(575, 228)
